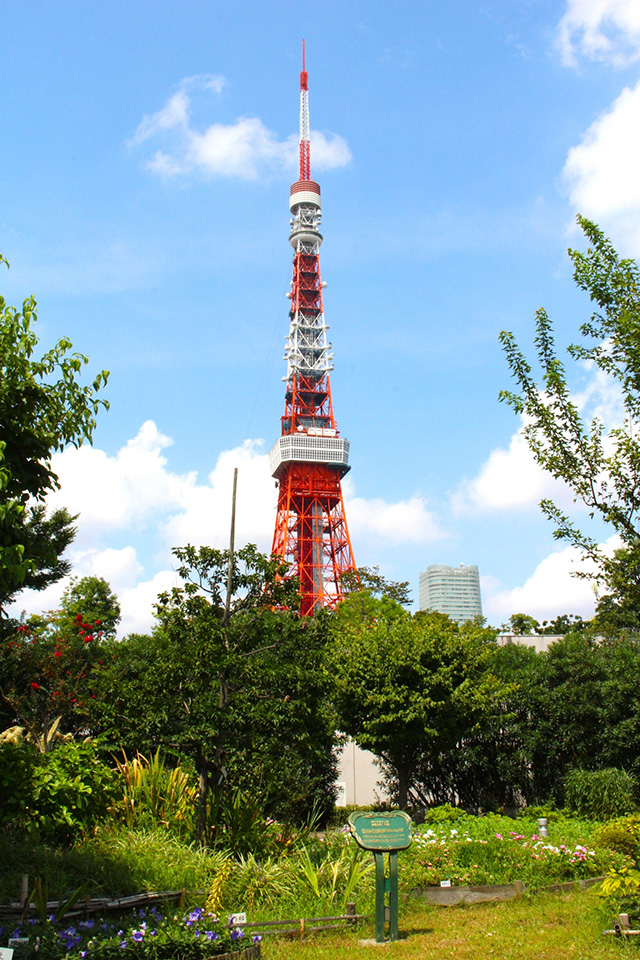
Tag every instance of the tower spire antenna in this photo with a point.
(305, 146)
(309, 458)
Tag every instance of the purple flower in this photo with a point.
(123, 944)
(211, 935)
(256, 938)
(235, 934)
(138, 936)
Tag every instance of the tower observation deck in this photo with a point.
(309, 458)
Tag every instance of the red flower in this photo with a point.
(36, 686)
(98, 622)
(57, 653)
(79, 618)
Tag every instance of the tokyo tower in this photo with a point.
(309, 458)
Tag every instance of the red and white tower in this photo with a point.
(310, 458)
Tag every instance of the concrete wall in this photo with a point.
(359, 773)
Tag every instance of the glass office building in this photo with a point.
(451, 590)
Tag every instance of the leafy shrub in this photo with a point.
(547, 810)
(445, 813)
(622, 835)
(601, 794)
(17, 761)
(71, 791)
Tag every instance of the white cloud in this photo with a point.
(245, 149)
(136, 603)
(175, 112)
(551, 590)
(510, 479)
(375, 521)
(113, 493)
(602, 171)
(135, 496)
(606, 30)
(205, 510)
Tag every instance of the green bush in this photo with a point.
(71, 791)
(445, 813)
(601, 794)
(17, 763)
(622, 835)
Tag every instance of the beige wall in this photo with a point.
(359, 772)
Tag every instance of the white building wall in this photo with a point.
(359, 772)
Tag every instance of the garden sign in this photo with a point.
(383, 833)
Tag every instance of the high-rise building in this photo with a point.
(309, 458)
(451, 590)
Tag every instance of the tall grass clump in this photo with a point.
(154, 794)
(601, 794)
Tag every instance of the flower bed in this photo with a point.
(489, 850)
(145, 935)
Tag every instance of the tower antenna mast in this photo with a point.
(309, 457)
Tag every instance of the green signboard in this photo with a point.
(384, 832)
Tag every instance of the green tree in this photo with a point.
(370, 579)
(521, 624)
(46, 680)
(404, 687)
(242, 694)
(90, 604)
(43, 408)
(599, 463)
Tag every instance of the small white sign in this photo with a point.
(18, 941)
(445, 883)
(6, 953)
(237, 918)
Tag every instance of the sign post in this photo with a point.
(383, 833)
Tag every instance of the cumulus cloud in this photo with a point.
(552, 589)
(245, 148)
(607, 30)
(375, 521)
(115, 493)
(510, 479)
(601, 172)
(134, 496)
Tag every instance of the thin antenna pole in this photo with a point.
(232, 538)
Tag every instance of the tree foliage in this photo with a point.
(408, 687)
(242, 693)
(600, 463)
(43, 408)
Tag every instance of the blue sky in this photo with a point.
(147, 154)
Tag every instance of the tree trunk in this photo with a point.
(201, 765)
(403, 786)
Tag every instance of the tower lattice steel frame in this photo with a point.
(309, 458)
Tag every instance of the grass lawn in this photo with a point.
(540, 927)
